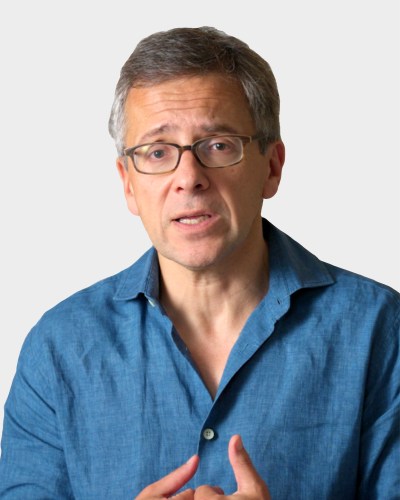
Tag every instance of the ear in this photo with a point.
(124, 173)
(275, 156)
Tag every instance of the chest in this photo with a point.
(209, 357)
(128, 423)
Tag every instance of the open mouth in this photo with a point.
(193, 220)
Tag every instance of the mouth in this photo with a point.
(193, 219)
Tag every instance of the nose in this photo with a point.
(190, 176)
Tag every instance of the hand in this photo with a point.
(250, 486)
(170, 484)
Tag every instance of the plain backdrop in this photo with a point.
(64, 223)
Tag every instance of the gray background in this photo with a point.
(64, 223)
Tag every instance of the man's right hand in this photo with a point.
(170, 484)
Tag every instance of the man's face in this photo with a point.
(198, 217)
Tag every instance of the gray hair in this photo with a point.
(189, 52)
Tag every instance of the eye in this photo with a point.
(155, 152)
(219, 146)
(222, 144)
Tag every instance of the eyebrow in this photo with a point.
(167, 128)
(162, 129)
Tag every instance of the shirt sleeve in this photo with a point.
(380, 442)
(32, 463)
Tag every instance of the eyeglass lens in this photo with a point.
(220, 151)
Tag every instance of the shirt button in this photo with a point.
(152, 302)
(208, 434)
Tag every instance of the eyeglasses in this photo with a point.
(212, 152)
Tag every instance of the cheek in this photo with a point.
(149, 200)
(243, 197)
(251, 186)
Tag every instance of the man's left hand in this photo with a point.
(250, 486)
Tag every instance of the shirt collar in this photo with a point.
(141, 278)
(292, 267)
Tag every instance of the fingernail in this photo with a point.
(218, 490)
(239, 444)
(191, 459)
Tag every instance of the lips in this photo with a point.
(192, 220)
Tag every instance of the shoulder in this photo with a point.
(356, 310)
(365, 292)
(351, 305)
(90, 317)
(84, 303)
(337, 290)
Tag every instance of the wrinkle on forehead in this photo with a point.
(165, 105)
(176, 93)
(210, 104)
(211, 128)
(179, 101)
(177, 98)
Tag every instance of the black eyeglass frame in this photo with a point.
(246, 139)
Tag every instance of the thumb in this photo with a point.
(247, 478)
(170, 484)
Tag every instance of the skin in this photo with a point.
(249, 484)
(214, 271)
(183, 111)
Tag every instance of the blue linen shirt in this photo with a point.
(106, 398)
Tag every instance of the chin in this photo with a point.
(198, 260)
(194, 264)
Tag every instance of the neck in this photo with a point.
(201, 300)
(210, 306)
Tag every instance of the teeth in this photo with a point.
(193, 220)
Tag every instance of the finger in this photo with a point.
(170, 484)
(184, 495)
(207, 492)
(247, 478)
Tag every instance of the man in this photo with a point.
(226, 332)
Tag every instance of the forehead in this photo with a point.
(210, 103)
